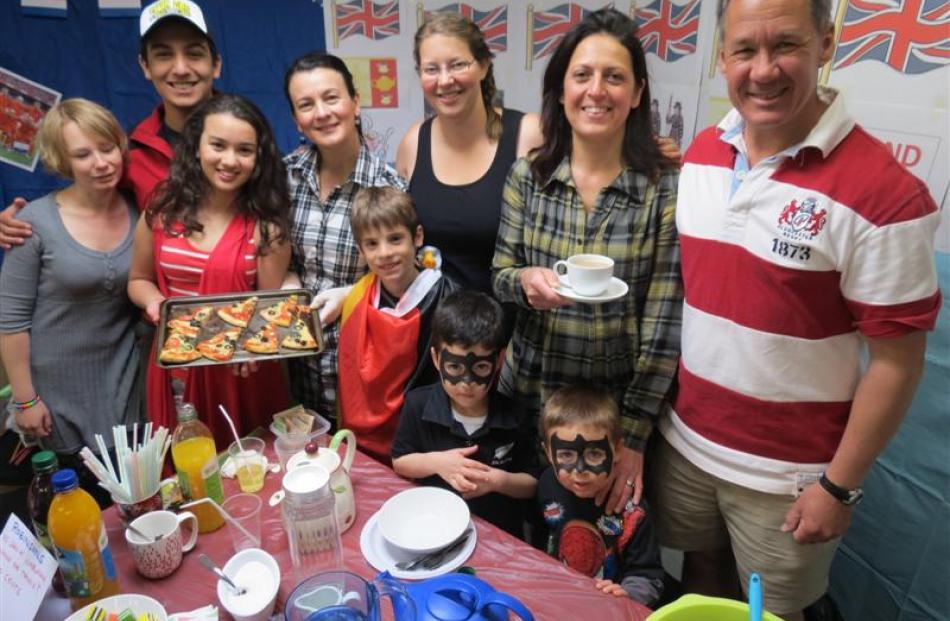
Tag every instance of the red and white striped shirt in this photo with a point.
(786, 265)
(183, 264)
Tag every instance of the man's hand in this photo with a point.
(330, 304)
(462, 473)
(626, 481)
(13, 232)
(611, 588)
(816, 516)
(538, 284)
(35, 421)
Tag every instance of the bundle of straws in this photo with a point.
(139, 466)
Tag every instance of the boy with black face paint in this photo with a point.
(461, 434)
(580, 429)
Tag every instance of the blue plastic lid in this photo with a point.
(65, 480)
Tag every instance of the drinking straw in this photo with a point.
(233, 430)
(225, 515)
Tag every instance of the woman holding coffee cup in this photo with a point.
(598, 185)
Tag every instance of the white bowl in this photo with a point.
(140, 604)
(258, 603)
(423, 519)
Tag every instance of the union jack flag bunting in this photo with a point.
(912, 36)
(548, 27)
(365, 17)
(668, 30)
(492, 22)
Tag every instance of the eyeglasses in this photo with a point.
(454, 68)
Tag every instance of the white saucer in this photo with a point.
(383, 556)
(616, 289)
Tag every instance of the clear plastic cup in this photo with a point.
(246, 510)
(248, 458)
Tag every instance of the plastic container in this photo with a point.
(310, 521)
(196, 461)
(701, 608)
(82, 546)
(38, 498)
(287, 444)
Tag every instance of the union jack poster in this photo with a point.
(912, 36)
(365, 17)
(668, 30)
(492, 22)
(546, 28)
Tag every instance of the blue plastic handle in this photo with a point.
(755, 597)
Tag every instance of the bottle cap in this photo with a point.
(65, 480)
(187, 412)
(44, 461)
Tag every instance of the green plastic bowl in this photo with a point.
(701, 608)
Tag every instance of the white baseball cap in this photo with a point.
(160, 10)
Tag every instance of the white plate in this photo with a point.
(616, 289)
(383, 556)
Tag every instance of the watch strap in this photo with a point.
(841, 494)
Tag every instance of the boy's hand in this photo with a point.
(13, 232)
(329, 302)
(492, 482)
(611, 588)
(462, 473)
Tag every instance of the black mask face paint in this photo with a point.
(582, 455)
(468, 368)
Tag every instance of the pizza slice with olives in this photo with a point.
(299, 336)
(178, 349)
(190, 323)
(221, 346)
(282, 311)
(239, 313)
(265, 341)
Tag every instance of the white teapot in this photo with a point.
(339, 469)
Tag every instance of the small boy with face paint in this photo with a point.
(461, 434)
(580, 429)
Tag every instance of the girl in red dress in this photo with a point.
(218, 224)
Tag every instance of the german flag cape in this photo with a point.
(377, 356)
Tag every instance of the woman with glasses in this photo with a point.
(598, 184)
(457, 161)
(325, 175)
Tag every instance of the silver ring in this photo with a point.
(629, 482)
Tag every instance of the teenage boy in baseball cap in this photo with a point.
(179, 57)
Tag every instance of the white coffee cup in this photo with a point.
(159, 558)
(586, 274)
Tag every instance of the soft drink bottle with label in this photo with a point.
(82, 546)
(196, 461)
(38, 498)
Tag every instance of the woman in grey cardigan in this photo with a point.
(66, 325)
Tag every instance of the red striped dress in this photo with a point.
(231, 267)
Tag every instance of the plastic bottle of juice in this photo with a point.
(196, 461)
(38, 498)
(82, 546)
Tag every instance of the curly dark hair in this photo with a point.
(265, 196)
(639, 150)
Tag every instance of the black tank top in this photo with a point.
(462, 220)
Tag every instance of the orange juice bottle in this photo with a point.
(196, 461)
(82, 546)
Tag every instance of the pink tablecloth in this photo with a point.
(550, 590)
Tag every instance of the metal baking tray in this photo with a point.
(177, 306)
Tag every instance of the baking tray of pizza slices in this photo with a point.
(237, 327)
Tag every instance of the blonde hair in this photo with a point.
(458, 26)
(580, 405)
(90, 117)
(375, 208)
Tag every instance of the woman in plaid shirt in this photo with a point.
(325, 175)
(598, 184)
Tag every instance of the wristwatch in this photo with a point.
(848, 497)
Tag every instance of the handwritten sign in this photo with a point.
(26, 570)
